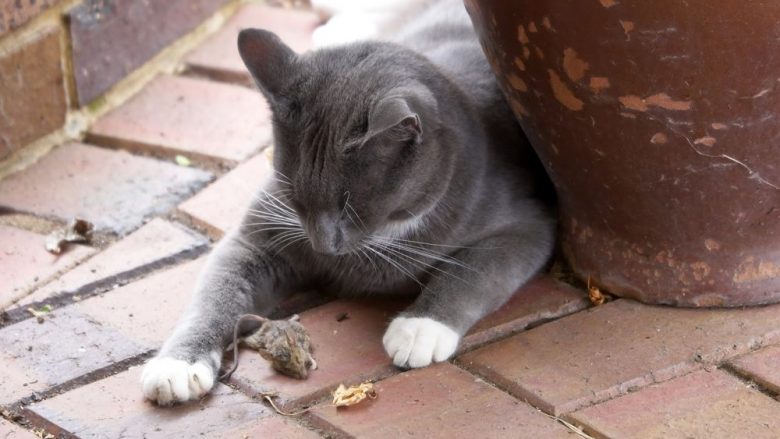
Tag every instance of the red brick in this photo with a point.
(350, 350)
(438, 402)
(270, 427)
(762, 366)
(111, 39)
(193, 117)
(113, 189)
(16, 13)
(222, 205)
(32, 91)
(540, 300)
(146, 310)
(11, 431)
(155, 242)
(36, 356)
(114, 407)
(25, 263)
(699, 405)
(218, 57)
(609, 350)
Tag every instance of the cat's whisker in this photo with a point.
(360, 252)
(272, 208)
(352, 220)
(422, 264)
(278, 203)
(298, 239)
(280, 174)
(395, 265)
(362, 226)
(271, 229)
(420, 251)
(409, 241)
(267, 216)
(283, 238)
(275, 222)
(346, 203)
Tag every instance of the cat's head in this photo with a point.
(359, 145)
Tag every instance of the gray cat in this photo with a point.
(399, 168)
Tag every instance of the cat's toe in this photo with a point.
(166, 380)
(419, 341)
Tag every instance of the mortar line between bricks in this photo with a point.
(316, 397)
(724, 366)
(216, 165)
(33, 420)
(92, 289)
(567, 416)
(217, 75)
(669, 373)
(81, 380)
(327, 428)
(304, 419)
(749, 380)
(53, 224)
(512, 332)
(495, 386)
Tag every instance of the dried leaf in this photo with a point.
(42, 311)
(78, 230)
(595, 295)
(347, 396)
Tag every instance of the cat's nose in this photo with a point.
(326, 235)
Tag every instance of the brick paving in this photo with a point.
(113, 189)
(151, 245)
(24, 266)
(619, 347)
(221, 205)
(761, 367)
(698, 405)
(544, 360)
(198, 119)
(218, 57)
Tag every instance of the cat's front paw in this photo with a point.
(166, 380)
(418, 341)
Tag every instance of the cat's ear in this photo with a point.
(268, 59)
(402, 114)
(394, 114)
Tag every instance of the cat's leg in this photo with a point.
(486, 276)
(238, 278)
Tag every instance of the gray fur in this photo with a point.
(376, 139)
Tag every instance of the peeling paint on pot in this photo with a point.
(657, 122)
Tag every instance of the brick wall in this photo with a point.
(61, 54)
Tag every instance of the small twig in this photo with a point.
(576, 430)
(270, 398)
(234, 345)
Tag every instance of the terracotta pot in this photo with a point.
(658, 123)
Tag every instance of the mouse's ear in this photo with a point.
(266, 354)
(268, 59)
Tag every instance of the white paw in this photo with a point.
(167, 380)
(418, 341)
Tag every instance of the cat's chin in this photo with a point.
(419, 341)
